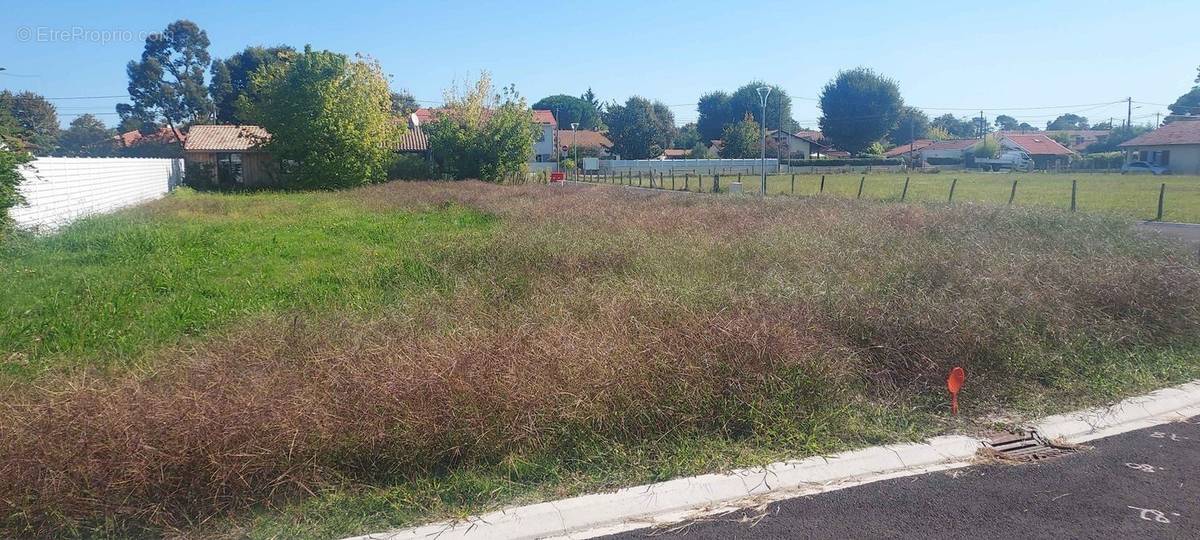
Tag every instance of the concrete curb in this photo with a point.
(685, 498)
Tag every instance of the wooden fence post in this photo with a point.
(716, 183)
(952, 185)
(904, 192)
(672, 179)
(1073, 190)
(1162, 193)
(860, 187)
(793, 183)
(822, 188)
(1013, 194)
(686, 181)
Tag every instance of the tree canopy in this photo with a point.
(640, 129)
(481, 134)
(231, 79)
(167, 83)
(957, 128)
(329, 117)
(404, 103)
(567, 109)
(1067, 121)
(741, 139)
(687, 137)
(913, 123)
(35, 121)
(87, 137)
(719, 109)
(1005, 122)
(1188, 103)
(859, 107)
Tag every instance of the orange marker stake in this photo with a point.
(954, 383)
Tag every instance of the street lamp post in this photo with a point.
(763, 92)
(575, 147)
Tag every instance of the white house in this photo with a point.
(793, 145)
(1175, 146)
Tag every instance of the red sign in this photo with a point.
(954, 383)
(558, 176)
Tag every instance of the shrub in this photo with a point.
(329, 117)
(11, 161)
(482, 135)
(848, 162)
(410, 167)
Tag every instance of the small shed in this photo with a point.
(228, 156)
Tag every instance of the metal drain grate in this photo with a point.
(1025, 447)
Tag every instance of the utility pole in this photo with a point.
(1129, 113)
(1156, 119)
(982, 126)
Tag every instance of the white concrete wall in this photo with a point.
(687, 165)
(545, 145)
(58, 191)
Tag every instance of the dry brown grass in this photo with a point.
(592, 313)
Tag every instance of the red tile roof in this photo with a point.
(225, 138)
(906, 148)
(544, 117)
(951, 144)
(1080, 138)
(1036, 144)
(164, 135)
(583, 138)
(413, 140)
(1177, 132)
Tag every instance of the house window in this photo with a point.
(229, 168)
(1164, 158)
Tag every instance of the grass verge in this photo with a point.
(571, 339)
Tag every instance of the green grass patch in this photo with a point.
(107, 289)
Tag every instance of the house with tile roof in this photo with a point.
(1175, 145)
(948, 149)
(544, 146)
(1047, 153)
(907, 150)
(589, 143)
(228, 156)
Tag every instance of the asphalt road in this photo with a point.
(1187, 232)
(1141, 484)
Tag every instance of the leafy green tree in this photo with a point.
(700, 151)
(329, 118)
(231, 79)
(1112, 142)
(640, 129)
(1026, 127)
(35, 118)
(956, 127)
(167, 84)
(859, 107)
(987, 148)
(741, 139)
(1067, 121)
(715, 114)
(1005, 122)
(404, 103)
(12, 157)
(1061, 138)
(912, 124)
(1188, 103)
(87, 137)
(568, 109)
(687, 137)
(937, 133)
(1103, 126)
(779, 105)
(480, 134)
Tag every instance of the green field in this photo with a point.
(326, 364)
(1128, 196)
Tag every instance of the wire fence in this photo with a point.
(1130, 196)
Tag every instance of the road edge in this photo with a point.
(685, 498)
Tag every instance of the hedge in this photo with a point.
(851, 162)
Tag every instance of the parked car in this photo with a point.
(1011, 159)
(1143, 167)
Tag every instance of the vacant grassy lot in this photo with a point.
(315, 365)
(1134, 197)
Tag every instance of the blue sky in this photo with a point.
(1013, 55)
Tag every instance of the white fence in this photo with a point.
(58, 191)
(688, 165)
